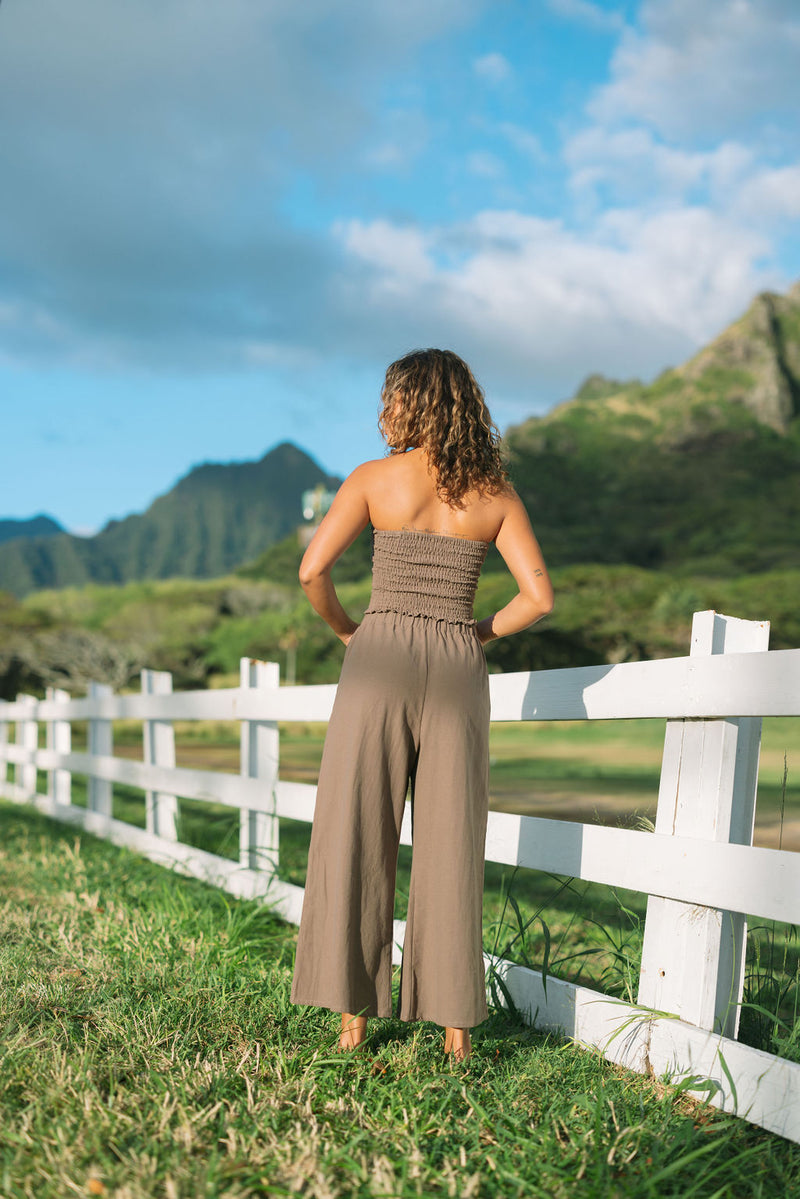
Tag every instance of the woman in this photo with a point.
(412, 706)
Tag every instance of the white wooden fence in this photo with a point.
(699, 868)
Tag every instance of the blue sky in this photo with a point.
(219, 223)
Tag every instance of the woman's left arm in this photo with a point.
(347, 516)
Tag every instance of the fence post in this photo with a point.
(3, 757)
(693, 957)
(101, 743)
(161, 810)
(26, 734)
(259, 749)
(59, 738)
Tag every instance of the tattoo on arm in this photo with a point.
(539, 573)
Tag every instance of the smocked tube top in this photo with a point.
(425, 574)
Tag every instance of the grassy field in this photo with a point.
(593, 771)
(150, 1050)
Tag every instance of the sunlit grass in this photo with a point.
(150, 1049)
(604, 771)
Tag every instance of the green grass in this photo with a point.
(150, 1049)
(592, 934)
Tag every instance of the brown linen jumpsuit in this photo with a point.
(412, 705)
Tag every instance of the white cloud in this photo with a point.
(700, 70)
(540, 306)
(147, 150)
(770, 194)
(493, 68)
(583, 12)
(399, 255)
(633, 164)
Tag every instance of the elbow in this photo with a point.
(542, 610)
(309, 573)
(545, 596)
(541, 604)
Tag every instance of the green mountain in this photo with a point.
(214, 518)
(698, 470)
(36, 526)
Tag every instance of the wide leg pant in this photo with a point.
(412, 705)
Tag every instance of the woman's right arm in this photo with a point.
(342, 523)
(523, 557)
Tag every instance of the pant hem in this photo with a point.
(472, 1022)
(361, 1009)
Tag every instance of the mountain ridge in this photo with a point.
(698, 469)
(215, 517)
(41, 525)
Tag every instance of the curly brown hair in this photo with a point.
(431, 399)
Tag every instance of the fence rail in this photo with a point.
(699, 869)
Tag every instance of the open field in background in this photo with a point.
(595, 771)
(604, 771)
(151, 1052)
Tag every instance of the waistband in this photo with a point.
(400, 610)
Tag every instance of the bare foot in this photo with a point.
(354, 1031)
(457, 1042)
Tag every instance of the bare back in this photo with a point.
(401, 494)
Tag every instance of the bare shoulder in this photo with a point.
(502, 503)
(379, 474)
(507, 497)
(364, 475)
(514, 519)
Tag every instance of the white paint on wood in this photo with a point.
(693, 957)
(291, 703)
(765, 882)
(26, 737)
(3, 751)
(722, 685)
(218, 704)
(59, 739)
(754, 1085)
(259, 750)
(295, 801)
(215, 786)
(735, 684)
(101, 739)
(161, 807)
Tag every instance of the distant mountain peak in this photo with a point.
(218, 516)
(41, 525)
(751, 370)
(598, 387)
(699, 466)
(756, 360)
